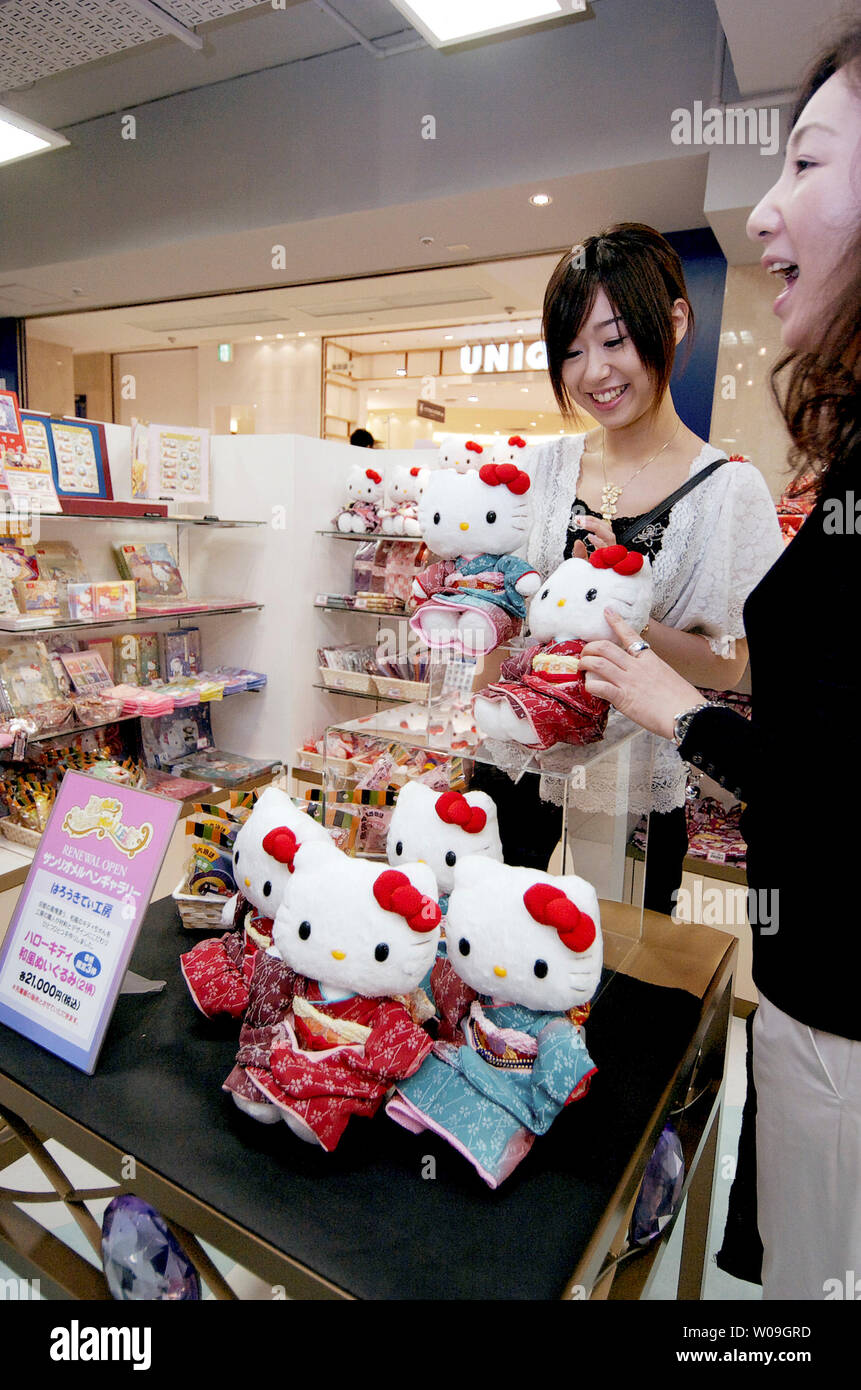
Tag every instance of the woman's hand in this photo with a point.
(600, 531)
(643, 687)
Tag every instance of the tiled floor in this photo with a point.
(719, 1286)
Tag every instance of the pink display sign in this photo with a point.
(71, 937)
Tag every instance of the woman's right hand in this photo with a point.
(600, 530)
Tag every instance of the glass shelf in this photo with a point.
(171, 615)
(147, 518)
(360, 694)
(359, 537)
(365, 612)
(75, 729)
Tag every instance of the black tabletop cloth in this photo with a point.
(364, 1216)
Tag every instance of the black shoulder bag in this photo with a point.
(632, 532)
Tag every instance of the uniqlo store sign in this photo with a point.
(503, 357)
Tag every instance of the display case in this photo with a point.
(603, 790)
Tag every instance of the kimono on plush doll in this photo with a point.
(473, 598)
(542, 699)
(219, 970)
(529, 947)
(354, 944)
(361, 513)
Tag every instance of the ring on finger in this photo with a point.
(637, 647)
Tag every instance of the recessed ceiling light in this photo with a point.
(472, 398)
(401, 371)
(525, 390)
(449, 336)
(258, 337)
(279, 335)
(762, 351)
(441, 22)
(301, 334)
(20, 138)
(540, 200)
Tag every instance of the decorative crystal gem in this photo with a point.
(142, 1259)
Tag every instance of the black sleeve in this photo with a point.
(725, 746)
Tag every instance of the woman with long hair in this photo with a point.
(794, 763)
(616, 310)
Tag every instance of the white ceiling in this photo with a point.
(772, 41)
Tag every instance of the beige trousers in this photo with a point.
(808, 1146)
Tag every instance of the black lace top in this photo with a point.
(649, 541)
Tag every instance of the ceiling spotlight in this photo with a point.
(441, 22)
(301, 334)
(401, 371)
(20, 138)
(472, 398)
(540, 200)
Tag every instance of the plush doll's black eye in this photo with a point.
(436, 518)
(463, 946)
(491, 517)
(451, 859)
(267, 888)
(540, 968)
(236, 856)
(381, 952)
(399, 847)
(304, 931)
(546, 592)
(592, 593)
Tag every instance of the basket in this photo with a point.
(394, 689)
(199, 912)
(21, 834)
(359, 682)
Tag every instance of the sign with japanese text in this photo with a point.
(76, 922)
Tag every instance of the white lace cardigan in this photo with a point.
(720, 541)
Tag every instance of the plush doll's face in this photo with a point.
(262, 856)
(460, 514)
(407, 484)
(364, 485)
(512, 450)
(570, 603)
(453, 453)
(524, 936)
(441, 828)
(342, 924)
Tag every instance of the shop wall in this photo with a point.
(157, 386)
(268, 388)
(746, 419)
(93, 380)
(50, 377)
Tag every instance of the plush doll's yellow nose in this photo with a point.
(339, 955)
(464, 526)
(500, 971)
(560, 603)
(248, 883)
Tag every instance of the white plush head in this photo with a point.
(264, 848)
(441, 828)
(512, 450)
(357, 927)
(461, 454)
(406, 484)
(570, 603)
(524, 936)
(475, 513)
(364, 485)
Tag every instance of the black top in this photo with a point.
(649, 541)
(795, 765)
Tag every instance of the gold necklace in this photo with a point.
(611, 492)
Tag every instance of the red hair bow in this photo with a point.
(476, 448)
(414, 472)
(505, 475)
(395, 893)
(516, 440)
(550, 906)
(282, 844)
(454, 809)
(374, 476)
(616, 557)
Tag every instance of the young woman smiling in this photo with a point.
(615, 310)
(795, 763)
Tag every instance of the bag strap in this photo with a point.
(642, 522)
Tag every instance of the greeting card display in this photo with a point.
(11, 432)
(77, 450)
(171, 461)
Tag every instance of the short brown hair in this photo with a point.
(641, 275)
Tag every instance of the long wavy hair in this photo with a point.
(818, 391)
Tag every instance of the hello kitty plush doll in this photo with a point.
(365, 497)
(360, 939)
(460, 454)
(541, 699)
(441, 828)
(401, 516)
(474, 597)
(219, 971)
(529, 947)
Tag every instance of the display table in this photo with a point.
(378, 1219)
